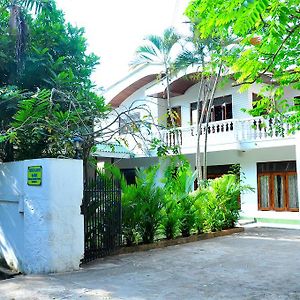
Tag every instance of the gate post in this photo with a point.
(298, 163)
(41, 228)
(53, 225)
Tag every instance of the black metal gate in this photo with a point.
(101, 207)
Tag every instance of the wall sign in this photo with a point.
(34, 175)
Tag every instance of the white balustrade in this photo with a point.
(227, 131)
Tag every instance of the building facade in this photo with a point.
(269, 158)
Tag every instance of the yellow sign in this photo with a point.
(34, 175)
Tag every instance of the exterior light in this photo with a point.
(77, 142)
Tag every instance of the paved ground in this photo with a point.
(258, 264)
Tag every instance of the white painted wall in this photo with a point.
(41, 228)
(248, 161)
(11, 216)
(239, 100)
(297, 150)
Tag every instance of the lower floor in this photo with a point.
(272, 173)
(220, 268)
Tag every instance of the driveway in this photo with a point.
(260, 263)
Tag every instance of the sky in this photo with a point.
(115, 28)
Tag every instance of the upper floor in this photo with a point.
(143, 93)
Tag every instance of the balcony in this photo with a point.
(233, 134)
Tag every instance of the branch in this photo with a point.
(273, 58)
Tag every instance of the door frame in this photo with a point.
(286, 195)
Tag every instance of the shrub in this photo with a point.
(141, 205)
(130, 209)
(149, 202)
(186, 215)
(198, 213)
(218, 203)
(130, 214)
(179, 181)
(170, 217)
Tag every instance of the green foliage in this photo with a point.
(187, 215)
(218, 202)
(46, 123)
(179, 183)
(141, 205)
(130, 214)
(130, 208)
(150, 198)
(265, 38)
(170, 216)
(55, 53)
(177, 208)
(157, 49)
(162, 149)
(46, 94)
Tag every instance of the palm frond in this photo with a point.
(156, 49)
(185, 59)
(146, 54)
(155, 41)
(37, 5)
(170, 38)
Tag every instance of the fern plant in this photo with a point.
(179, 183)
(149, 202)
(218, 202)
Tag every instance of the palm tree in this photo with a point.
(158, 50)
(9, 96)
(199, 55)
(17, 23)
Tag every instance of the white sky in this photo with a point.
(115, 28)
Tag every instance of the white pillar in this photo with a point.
(298, 162)
(41, 228)
(53, 225)
(249, 203)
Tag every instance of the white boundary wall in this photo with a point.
(41, 228)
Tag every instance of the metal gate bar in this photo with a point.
(101, 207)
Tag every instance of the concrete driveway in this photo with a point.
(260, 263)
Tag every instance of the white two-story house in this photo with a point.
(269, 160)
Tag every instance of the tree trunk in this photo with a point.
(170, 114)
(211, 100)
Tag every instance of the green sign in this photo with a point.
(34, 175)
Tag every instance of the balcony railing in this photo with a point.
(228, 131)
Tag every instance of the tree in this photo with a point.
(54, 55)
(43, 127)
(202, 53)
(266, 33)
(159, 50)
(18, 31)
(54, 78)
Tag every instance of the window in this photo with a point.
(256, 107)
(129, 175)
(277, 186)
(217, 171)
(221, 109)
(176, 114)
(193, 113)
(129, 123)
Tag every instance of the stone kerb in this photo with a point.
(48, 213)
